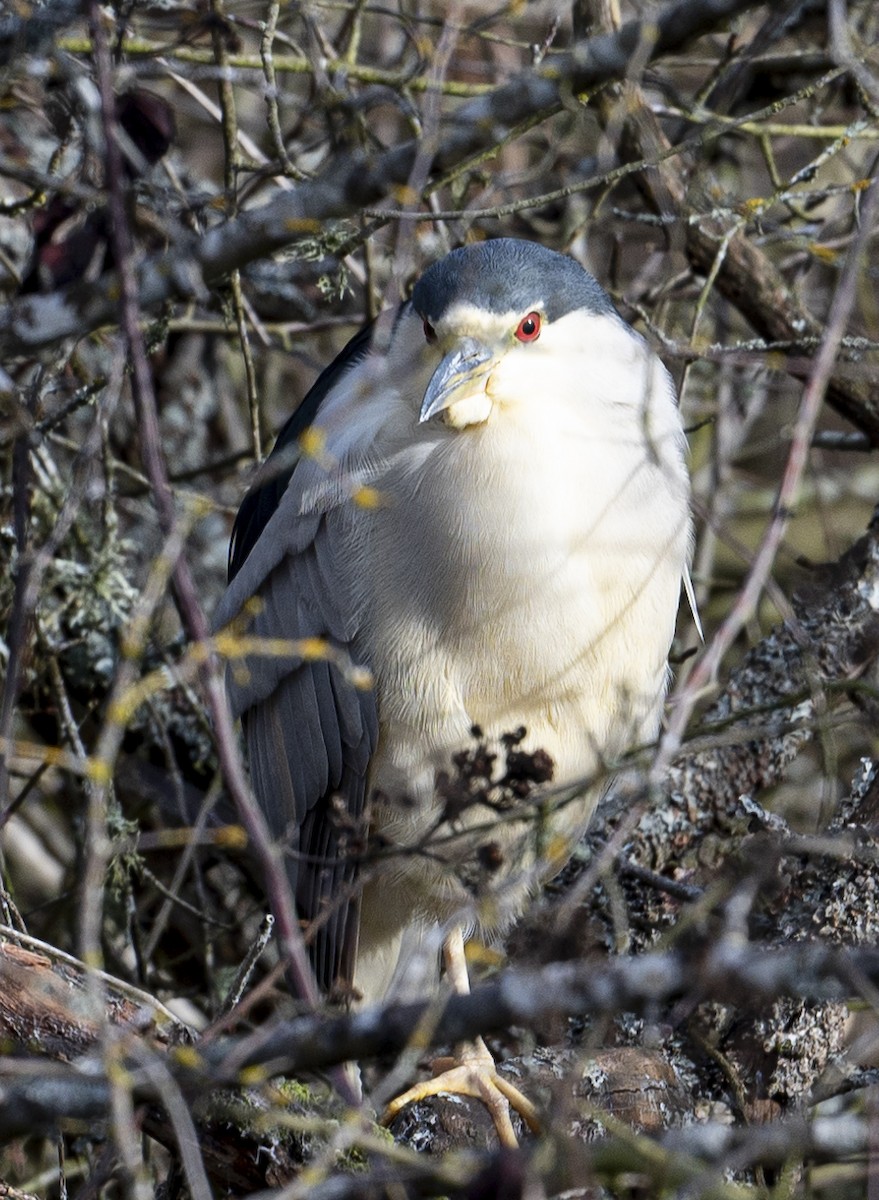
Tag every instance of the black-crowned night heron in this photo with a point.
(484, 502)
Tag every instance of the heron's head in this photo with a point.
(501, 320)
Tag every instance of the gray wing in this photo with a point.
(310, 731)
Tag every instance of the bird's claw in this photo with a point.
(473, 1073)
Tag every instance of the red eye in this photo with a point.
(429, 331)
(528, 329)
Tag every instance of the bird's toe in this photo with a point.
(473, 1073)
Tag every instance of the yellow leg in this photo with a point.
(472, 1070)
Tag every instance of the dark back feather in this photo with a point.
(276, 472)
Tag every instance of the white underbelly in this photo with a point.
(583, 691)
(554, 613)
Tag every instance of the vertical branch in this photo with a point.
(32, 566)
(266, 53)
(192, 615)
(227, 108)
(231, 164)
(21, 609)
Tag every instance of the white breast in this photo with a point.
(539, 583)
(521, 572)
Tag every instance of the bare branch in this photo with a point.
(354, 180)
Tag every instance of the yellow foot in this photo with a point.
(473, 1073)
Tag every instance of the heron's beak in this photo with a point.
(459, 383)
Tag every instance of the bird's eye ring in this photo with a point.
(528, 329)
(429, 331)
